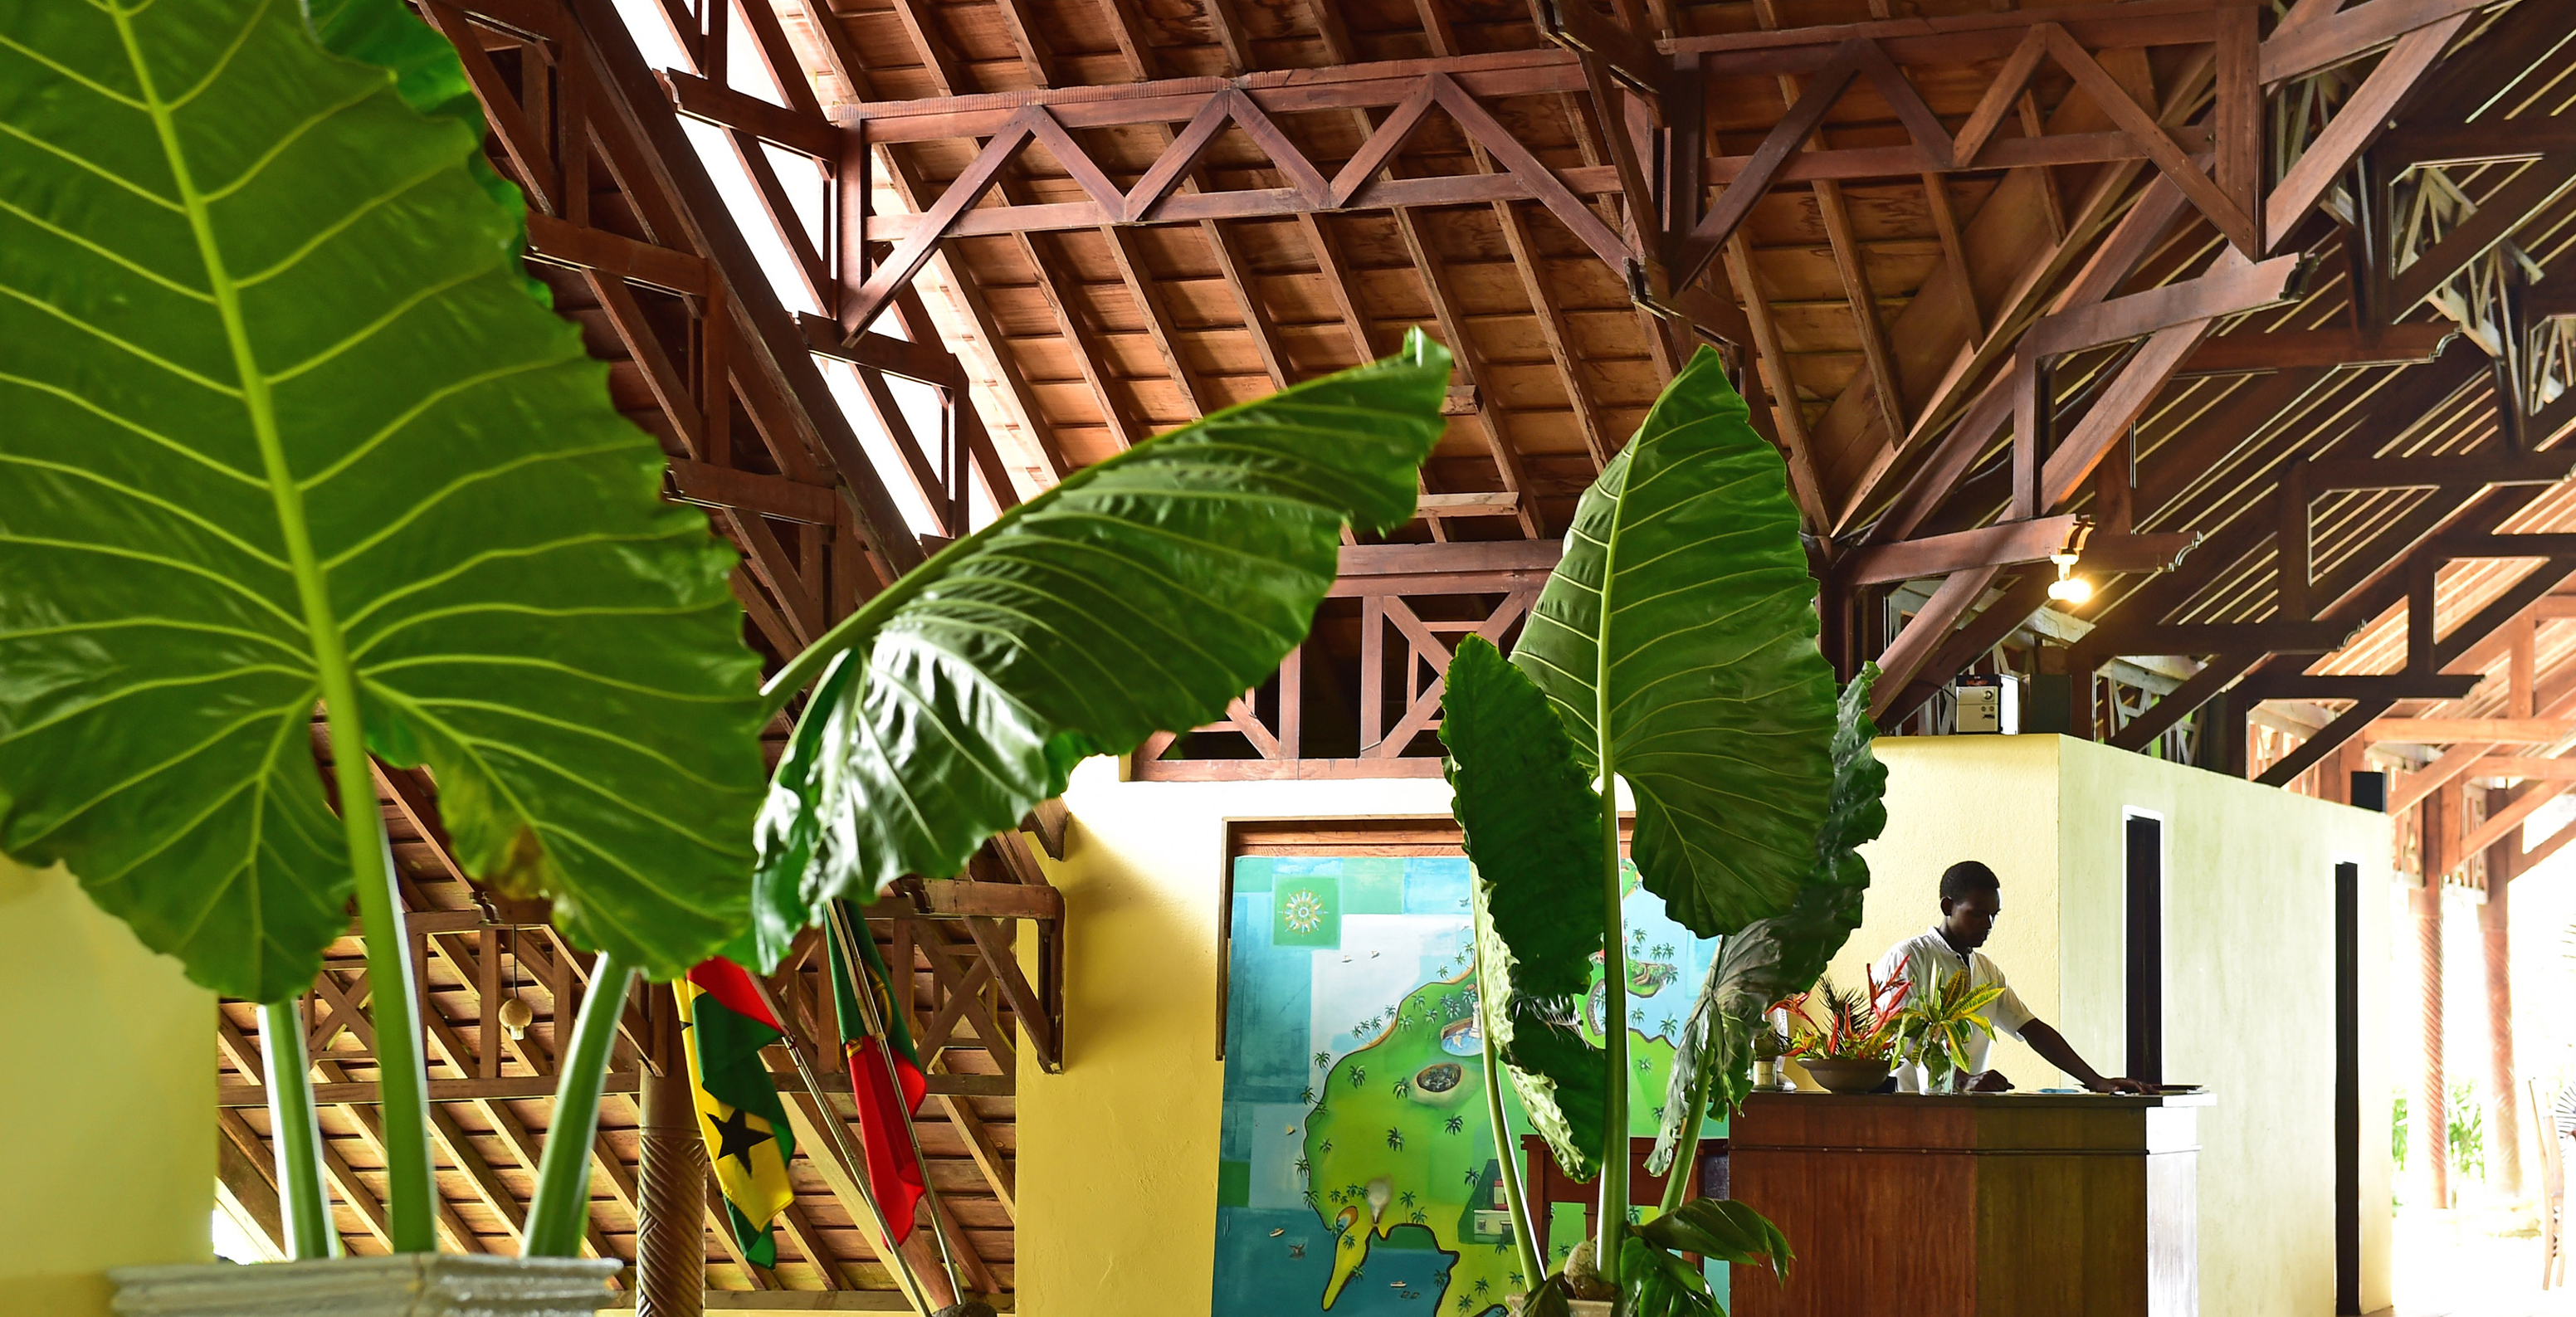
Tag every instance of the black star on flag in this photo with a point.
(738, 1136)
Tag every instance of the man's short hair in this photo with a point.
(1966, 878)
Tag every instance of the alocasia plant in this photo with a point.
(286, 429)
(1672, 650)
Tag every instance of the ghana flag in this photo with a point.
(894, 1166)
(725, 1024)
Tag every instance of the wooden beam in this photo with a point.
(749, 491)
(2497, 731)
(987, 1154)
(2509, 821)
(2535, 770)
(2389, 687)
(2247, 351)
(1852, 270)
(2001, 545)
(2354, 32)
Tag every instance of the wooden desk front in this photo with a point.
(2008, 1205)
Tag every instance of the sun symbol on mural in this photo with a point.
(1304, 912)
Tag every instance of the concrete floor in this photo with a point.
(2474, 1263)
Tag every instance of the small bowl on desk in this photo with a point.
(1848, 1075)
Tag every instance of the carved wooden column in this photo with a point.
(671, 1185)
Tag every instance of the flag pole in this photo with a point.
(897, 1265)
(838, 921)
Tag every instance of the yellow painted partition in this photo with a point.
(2249, 889)
(1118, 1154)
(107, 1123)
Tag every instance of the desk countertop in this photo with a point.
(1995, 1101)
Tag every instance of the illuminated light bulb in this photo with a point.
(2068, 588)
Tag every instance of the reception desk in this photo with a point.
(2005, 1205)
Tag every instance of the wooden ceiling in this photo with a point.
(2260, 292)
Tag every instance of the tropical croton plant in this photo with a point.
(1857, 1026)
(1673, 654)
(289, 428)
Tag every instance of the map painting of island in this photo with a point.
(1358, 1170)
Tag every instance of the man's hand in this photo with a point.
(1989, 1081)
(2122, 1084)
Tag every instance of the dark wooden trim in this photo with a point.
(2347, 1087)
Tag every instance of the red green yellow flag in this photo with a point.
(724, 1024)
(885, 1099)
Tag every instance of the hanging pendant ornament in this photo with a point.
(514, 1013)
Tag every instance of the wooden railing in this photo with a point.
(1361, 698)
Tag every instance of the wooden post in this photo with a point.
(2504, 1122)
(2429, 1123)
(671, 1192)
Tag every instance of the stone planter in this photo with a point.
(1578, 1307)
(404, 1285)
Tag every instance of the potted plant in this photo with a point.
(269, 453)
(1672, 652)
(1935, 1028)
(1855, 1047)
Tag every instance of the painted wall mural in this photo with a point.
(1359, 1173)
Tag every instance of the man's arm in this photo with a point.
(2052, 1047)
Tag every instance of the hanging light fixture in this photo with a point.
(2069, 588)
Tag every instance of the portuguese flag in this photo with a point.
(725, 1024)
(894, 1168)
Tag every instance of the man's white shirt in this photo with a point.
(1928, 960)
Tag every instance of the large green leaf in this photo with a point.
(1721, 1230)
(1141, 594)
(1531, 821)
(1785, 954)
(281, 414)
(1678, 640)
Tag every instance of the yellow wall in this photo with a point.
(1118, 1154)
(1970, 798)
(107, 1123)
(2249, 969)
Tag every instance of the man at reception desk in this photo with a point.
(1971, 897)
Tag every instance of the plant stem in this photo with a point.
(1613, 1218)
(1677, 1176)
(297, 1132)
(561, 1205)
(402, 1071)
(1523, 1238)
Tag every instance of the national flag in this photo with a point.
(724, 1024)
(894, 1168)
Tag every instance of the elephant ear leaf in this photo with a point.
(1781, 956)
(1141, 594)
(1677, 638)
(285, 428)
(1531, 821)
(1721, 1230)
